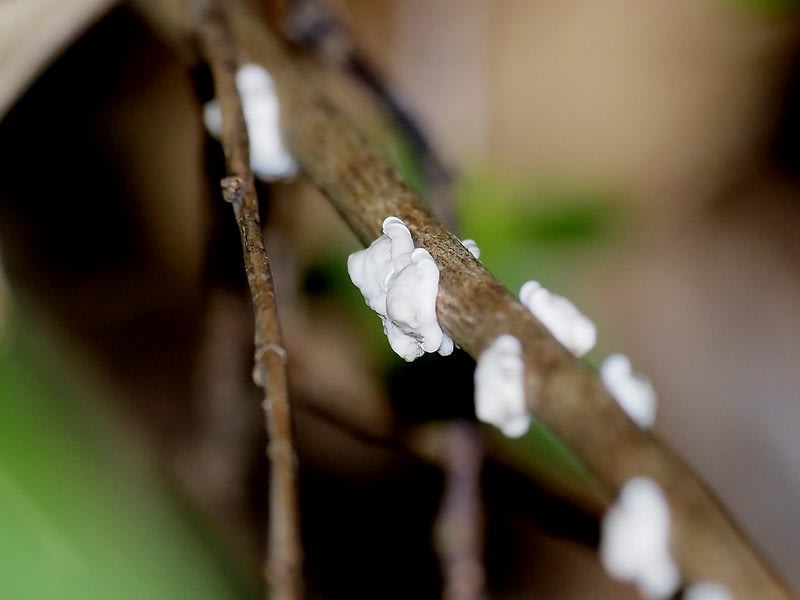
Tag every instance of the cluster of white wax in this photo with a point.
(500, 387)
(632, 392)
(575, 331)
(635, 540)
(269, 158)
(400, 283)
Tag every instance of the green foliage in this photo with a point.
(79, 519)
(399, 153)
(528, 232)
(771, 4)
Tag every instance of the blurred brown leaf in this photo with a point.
(33, 33)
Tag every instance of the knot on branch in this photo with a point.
(233, 189)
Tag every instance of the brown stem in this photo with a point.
(284, 553)
(459, 526)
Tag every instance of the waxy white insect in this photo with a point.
(269, 158)
(500, 387)
(569, 326)
(400, 283)
(632, 392)
(707, 590)
(634, 545)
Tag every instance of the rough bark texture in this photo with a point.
(284, 555)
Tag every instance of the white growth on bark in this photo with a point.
(707, 590)
(372, 269)
(269, 158)
(500, 387)
(634, 545)
(401, 283)
(472, 246)
(632, 392)
(411, 307)
(569, 326)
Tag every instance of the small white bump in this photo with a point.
(500, 387)
(269, 158)
(400, 283)
(566, 323)
(634, 393)
(634, 545)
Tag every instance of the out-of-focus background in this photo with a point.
(640, 158)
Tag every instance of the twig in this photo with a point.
(459, 526)
(284, 553)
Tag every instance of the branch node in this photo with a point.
(233, 189)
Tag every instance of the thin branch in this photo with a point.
(284, 552)
(475, 308)
(459, 526)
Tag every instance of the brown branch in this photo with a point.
(284, 553)
(459, 526)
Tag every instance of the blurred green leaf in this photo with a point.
(771, 4)
(81, 519)
(534, 232)
(398, 151)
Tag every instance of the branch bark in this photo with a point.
(459, 525)
(474, 308)
(284, 555)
